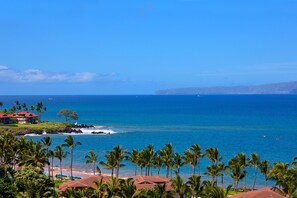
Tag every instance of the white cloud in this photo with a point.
(37, 75)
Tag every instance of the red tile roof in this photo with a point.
(264, 192)
(22, 114)
(149, 182)
(84, 183)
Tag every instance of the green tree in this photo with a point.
(179, 187)
(1, 104)
(167, 154)
(190, 160)
(35, 155)
(68, 114)
(60, 154)
(127, 188)
(196, 150)
(195, 186)
(110, 162)
(7, 188)
(71, 144)
(254, 161)
(32, 181)
(119, 156)
(178, 162)
(47, 142)
(158, 162)
(264, 168)
(133, 157)
(92, 159)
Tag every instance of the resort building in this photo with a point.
(141, 182)
(264, 192)
(22, 117)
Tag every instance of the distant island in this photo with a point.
(275, 88)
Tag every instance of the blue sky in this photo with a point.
(140, 46)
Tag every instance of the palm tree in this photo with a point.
(148, 155)
(70, 143)
(235, 171)
(51, 154)
(32, 108)
(158, 162)
(112, 189)
(134, 158)
(213, 155)
(1, 104)
(47, 142)
(254, 161)
(110, 162)
(35, 156)
(92, 159)
(243, 162)
(127, 188)
(178, 162)
(40, 109)
(60, 154)
(264, 168)
(167, 153)
(213, 191)
(222, 168)
(179, 186)
(196, 149)
(195, 186)
(190, 160)
(213, 171)
(119, 155)
(278, 172)
(100, 187)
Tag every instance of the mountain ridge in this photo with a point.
(273, 88)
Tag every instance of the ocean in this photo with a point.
(265, 124)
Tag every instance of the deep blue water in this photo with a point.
(264, 124)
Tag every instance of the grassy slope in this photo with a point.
(40, 126)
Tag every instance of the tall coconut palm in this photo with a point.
(222, 168)
(127, 188)
(1, 104)
(119, 156)
(235, 171)
(32, 108)
(51, 154)
(134, 158)
(47, 142)
(35, 156)
(71, 144)
(60, 154)
(195, 186)
(243, 162)
(158, 162)
(264, 168)
(92, 159)
(112, 189)
(213, 171)
(148, 156)
(190, 160)
(213, 191)
(167, 154)
(254, 161)
(213, 155)
(100, 188)
(278, 172)
(196, 149)
(110, 162)
(179, 187)
(178, 162)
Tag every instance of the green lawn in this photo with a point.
(44, 126)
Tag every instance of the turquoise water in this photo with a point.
(264, 124)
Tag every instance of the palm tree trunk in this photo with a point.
(265, 180)
(167, 172)
(255, 178)
(222, 180)
(94, 168)
(112, 172)
(49, 171)
(159, 171)
(141, 170)
(53, 168)
(135, 170)
(71, 164)
(61, 169)
(199, 167)
(117, 171)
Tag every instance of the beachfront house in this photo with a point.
(22, 117)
